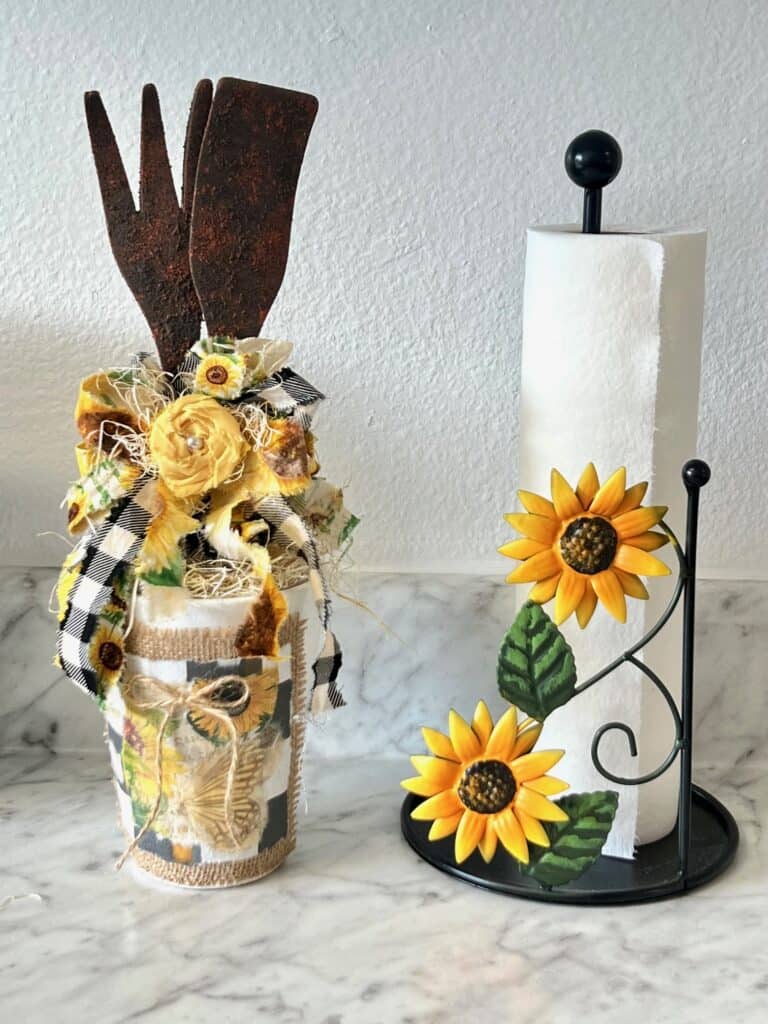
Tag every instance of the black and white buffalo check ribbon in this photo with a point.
(107, 553)
(278, 513)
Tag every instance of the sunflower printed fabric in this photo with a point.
(587, 544)
(189, 822)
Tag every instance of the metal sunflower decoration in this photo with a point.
(587, 544)
(485, 785)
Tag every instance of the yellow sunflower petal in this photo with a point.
(544, 590)
(421, 786)
(538, 806)
(632, 559)
(442, 805)
(537, 567)
(608, 590)
(547, 785)
(442, 827)
(536, 504)
(610, 495)
(538, 528)
(586, 606)
(526, 740)
(639, 520)
(482, 723)
(523, 548)
(464, 741)
(487, 845)
(570, 591)
(650, 541)
(633, 497)
(510, 833)
(532, 766)
(502, 740)
(439, 744)
(588, 485)
(631, 585)
(468, 835)
(532, 828)
(436, 769)
(566, 503)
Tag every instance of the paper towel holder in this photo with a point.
(705, 838)
(592, 161)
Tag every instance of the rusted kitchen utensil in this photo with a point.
(151, 244)
(244, 193)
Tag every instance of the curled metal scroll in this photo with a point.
(629, 656)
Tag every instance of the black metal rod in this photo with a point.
(593, 209)
(695, 476)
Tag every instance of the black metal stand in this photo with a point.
(705, 838)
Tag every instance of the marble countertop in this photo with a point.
(354, 928)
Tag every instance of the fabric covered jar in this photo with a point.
(206, 745)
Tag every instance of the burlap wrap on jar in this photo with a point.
(207, 773)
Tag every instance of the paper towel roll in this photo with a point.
(610, 374)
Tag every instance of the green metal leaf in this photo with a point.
(536, 670)
(576, 843)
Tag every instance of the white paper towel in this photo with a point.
(610, 374)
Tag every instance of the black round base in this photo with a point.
(652, 875)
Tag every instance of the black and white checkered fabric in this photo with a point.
(110, 550)
(278, 513)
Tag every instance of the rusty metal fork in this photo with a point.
(151, 244)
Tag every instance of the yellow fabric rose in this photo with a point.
(195, 444)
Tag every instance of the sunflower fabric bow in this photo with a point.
(217, 460)
(220, 698)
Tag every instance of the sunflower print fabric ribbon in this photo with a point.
(220, 698)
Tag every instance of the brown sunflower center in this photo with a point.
(589, 544)
(216, 374)
(110, 655)
(487, 787)
(234, 695)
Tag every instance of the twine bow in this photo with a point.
(220, 698)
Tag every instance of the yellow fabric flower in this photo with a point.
(587, 544)
(195, 444)
(484, 784)
(101, 414)
(171, 522)
(221, 376)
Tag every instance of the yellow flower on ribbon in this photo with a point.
(170, 523)
(484, 784)
(221, 376)
(587, 544)
(107, 653)
(196, 444)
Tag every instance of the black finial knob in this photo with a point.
(592, 161)
(696, 474)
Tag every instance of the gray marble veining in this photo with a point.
(354, 929)
(438, 650)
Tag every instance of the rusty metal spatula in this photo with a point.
(151, 244)
(245, 187)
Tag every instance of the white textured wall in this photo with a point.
(439, 139)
